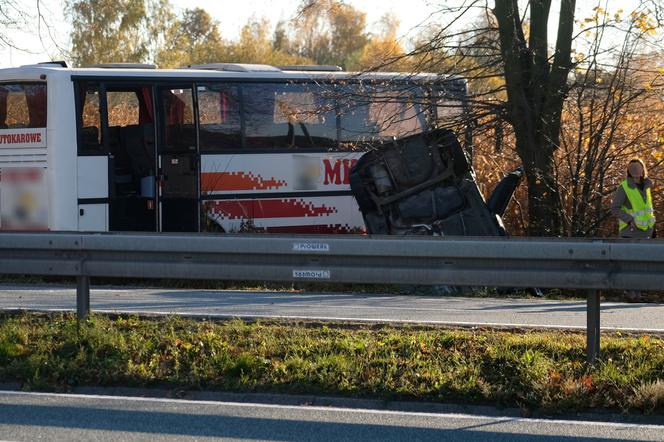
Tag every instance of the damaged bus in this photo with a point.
(220, 147)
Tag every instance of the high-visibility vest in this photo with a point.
(642, 211)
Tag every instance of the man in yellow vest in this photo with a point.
(632, 205)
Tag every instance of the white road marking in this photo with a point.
(499, 419)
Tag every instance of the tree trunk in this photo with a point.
(536, 148)
(536, 90)
(544, 203)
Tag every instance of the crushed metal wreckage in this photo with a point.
(423, 185)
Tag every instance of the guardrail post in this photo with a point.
(82, 296)
(593, 327)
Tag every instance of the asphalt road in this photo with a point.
(44, 416)
(359, 307)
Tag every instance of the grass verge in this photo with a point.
(535, 370)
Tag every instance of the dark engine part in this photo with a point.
(503, 192)
(423, 184)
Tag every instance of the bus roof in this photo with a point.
(32, 72)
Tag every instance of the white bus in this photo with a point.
(220, 147)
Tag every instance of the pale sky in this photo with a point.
(231, 15)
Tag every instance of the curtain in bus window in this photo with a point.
(3, 107)
(178, 112)
(145, 110)
(176, 109)
(223, 106)
(35, 95)
(219, 117)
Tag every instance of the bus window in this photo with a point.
(356, 127)
(23, 186)
(22, 105)
(177, 106)
(219, 117)
(396, 113)
(311, 111)
(449, 111)
(289, 115)
(369, 113)
(90, 135)
(123, 108)
(131, 142)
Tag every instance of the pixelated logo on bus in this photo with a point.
(23, 199)
(311, 172)
(337, 171)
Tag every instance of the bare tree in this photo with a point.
(612, 114)
(14, 18)
(519, 77)
(536, 90)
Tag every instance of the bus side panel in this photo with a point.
(281, 192)
(302, 214)
(92, 185)
(23, 154)
(62, 161)
(23, 194)
(228, 175)
(93, 218)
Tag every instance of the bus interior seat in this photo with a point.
(139, 144)
(121, 163)
(132, 148)
(90, 138)
(181, 137)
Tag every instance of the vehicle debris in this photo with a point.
(424, 185)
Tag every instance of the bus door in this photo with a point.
(177, 149)
(128, 136)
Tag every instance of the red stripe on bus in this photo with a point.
(215, 181)
(256, 209)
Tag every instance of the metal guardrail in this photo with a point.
(498, 262)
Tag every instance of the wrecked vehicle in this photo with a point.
(423, 185)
